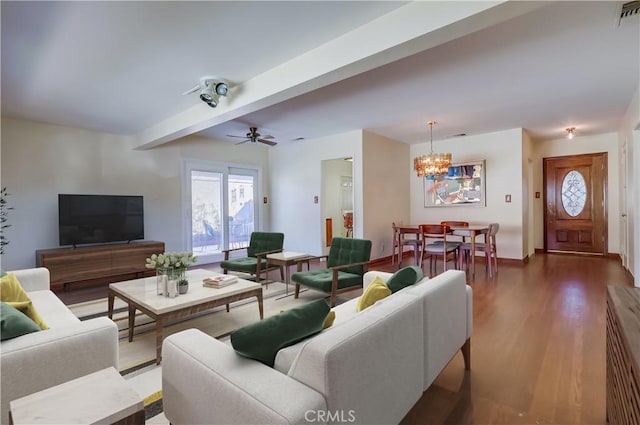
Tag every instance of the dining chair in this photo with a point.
(488, 247)
(452, 223)
(439, 246)
(399, 242)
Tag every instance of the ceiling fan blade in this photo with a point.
(267, 142)
(244, 141)
(193, 90)
(240, 137)
(268, 136)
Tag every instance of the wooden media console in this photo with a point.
(97, 263)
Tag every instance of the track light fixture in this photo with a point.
(210, 88)
(570, 131)
(206, 94)
(222, 89)
(213, 102)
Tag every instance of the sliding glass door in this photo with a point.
(221, 207)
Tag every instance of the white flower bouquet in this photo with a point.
(171, 260)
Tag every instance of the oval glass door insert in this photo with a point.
(574, 193)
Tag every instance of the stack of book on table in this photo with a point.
(219, 281)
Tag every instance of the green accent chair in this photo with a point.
(260, 244)
(347, 262)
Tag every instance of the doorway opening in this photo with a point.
(222, 212)
(337, 199)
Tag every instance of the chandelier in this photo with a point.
(433, 164)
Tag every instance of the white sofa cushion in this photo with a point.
(67, 350)
(286, 356)
(227, 388)
(52, 309)
(344, 312)
(380, 349)
(445, 330)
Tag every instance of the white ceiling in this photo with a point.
(120, 67)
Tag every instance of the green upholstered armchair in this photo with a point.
(260, 244)
(347, 262)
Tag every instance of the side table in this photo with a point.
(103, 397)
(287, 259)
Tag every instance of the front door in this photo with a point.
(575, 217)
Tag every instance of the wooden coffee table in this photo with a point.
(140, 294)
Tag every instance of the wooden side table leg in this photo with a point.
(287, 277)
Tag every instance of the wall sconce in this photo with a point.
(570, 131)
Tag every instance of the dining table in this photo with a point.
(471, 231)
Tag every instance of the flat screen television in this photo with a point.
(94, 219)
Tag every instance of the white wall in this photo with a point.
(386, 190)
(39, 161)
(503, 154)
(296, 177)
(630, 133)
(581, 145)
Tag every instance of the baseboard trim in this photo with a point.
(380, 260)
(479, 258)
(611, 255)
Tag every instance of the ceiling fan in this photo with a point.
(253, 136)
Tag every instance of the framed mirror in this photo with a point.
(464, 184)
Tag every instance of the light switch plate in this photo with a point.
(507, 198)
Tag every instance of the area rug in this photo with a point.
(216, 322)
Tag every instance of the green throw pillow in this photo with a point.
(404, 277)
(262, 340)
(14, 323)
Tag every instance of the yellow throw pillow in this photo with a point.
(328, 322)
(13, 294)
(376, 291)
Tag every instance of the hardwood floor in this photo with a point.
(537, 349)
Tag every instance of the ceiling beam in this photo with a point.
(408, 30)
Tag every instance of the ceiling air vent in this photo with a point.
(629, 10)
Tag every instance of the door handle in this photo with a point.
(624, 215)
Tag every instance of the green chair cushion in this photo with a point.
(244, 264)
(260, 242)
(404, 277)
(264, 242)
(14, 323)
(321, 279)
(349, 251)
(262, 340)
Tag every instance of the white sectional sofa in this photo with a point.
(67, 350)
(368, 368)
